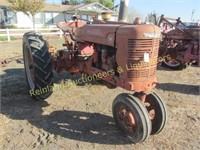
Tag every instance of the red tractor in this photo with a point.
(179, 41)
(117, 53)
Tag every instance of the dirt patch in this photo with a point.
(80, 117)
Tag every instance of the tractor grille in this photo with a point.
(141, 73)
(136, 50)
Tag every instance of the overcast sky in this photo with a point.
(170, 8)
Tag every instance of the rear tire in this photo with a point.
(38, 66)
(177, 66)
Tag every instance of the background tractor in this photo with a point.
(111, 52)
(179, 41)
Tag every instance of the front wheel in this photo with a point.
(38, 66)
(157, 112)
(131, 117)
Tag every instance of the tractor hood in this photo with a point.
(106, 33)
(97, 33)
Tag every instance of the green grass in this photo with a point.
(6, 39)
(11, 27)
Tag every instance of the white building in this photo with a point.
(51, 14)
(87, 11)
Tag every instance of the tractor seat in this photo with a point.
(63, 26)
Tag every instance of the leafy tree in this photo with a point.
(74, 2)
(153, 18)
(28, 7)
(90, 1)
(107, 3)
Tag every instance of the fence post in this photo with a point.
(8, 34)
(61, 33)
(36, 29)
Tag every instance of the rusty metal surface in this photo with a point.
(97, 33)
(130, 57)
(6, 61)
(102, 48)
(185, 33)
(178, 35)
(65, 26)
(191, 54)
(181, 44)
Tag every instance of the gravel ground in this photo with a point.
(81, 117)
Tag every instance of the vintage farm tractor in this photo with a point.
(117, 53)
(180, 42)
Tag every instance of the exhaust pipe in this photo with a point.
(123, 11)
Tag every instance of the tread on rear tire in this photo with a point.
(38, 66)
